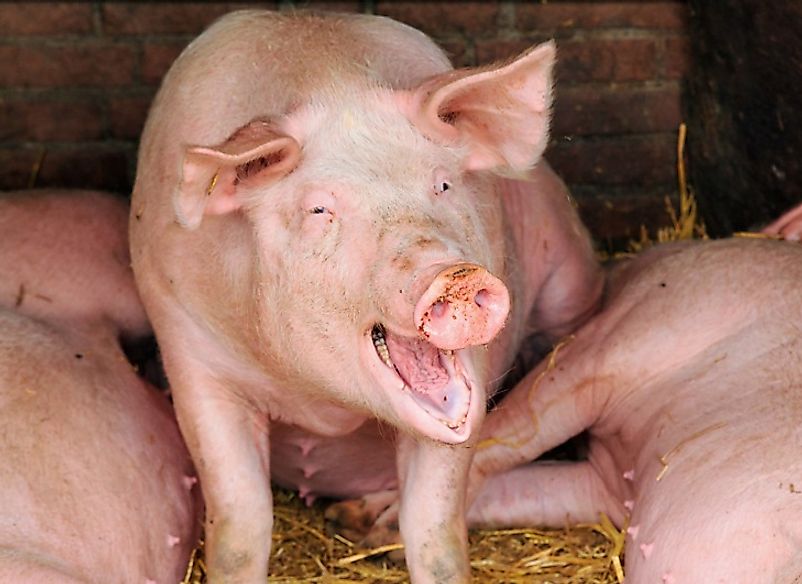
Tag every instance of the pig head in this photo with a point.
(318, 236)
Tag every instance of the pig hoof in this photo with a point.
(358, 516)
(351, 519)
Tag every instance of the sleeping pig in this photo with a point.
(689, 385)
(336, 235)
(95, 481)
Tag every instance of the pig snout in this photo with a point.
(465, 305)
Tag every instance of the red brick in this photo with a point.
(458, 53)
(584, 15)
(500, 50)
(16, 167)
(157, 58)
(635, 160)
(87, 64)
(615, 219)
(677, 57)
(606, 60)
(87, 166)
(329, 6)
(586, 110)
(166, 17)
(25, 121)
(586, 60)
(443, 18)
(127, 116)
(45, 18)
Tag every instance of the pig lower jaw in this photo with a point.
(433, 379)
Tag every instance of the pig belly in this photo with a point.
(93, 472)
(717, 517)
(346, 467)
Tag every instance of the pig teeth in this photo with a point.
(384, 354)
(379, 341)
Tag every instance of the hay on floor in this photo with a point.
(303, 552)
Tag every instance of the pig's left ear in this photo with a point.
(500, 113)
(212, 178)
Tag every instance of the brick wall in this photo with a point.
(76, 80)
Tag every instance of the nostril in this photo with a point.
(438, 309)
(463, 306)
(481, 297)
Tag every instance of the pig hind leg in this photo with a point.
(544, 494)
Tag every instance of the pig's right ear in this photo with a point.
(211, 177)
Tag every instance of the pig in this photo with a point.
(688, 383)
(338, 237)
(95, 481)
(788, 225)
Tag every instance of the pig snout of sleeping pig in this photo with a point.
(320, 236)
(95, 481)
(689, 385)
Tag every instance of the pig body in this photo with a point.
(93, 471)
(689, 384)
(322, 239)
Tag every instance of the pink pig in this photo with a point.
(788, 225)
(689, 384)
(322, 239)
(95, 481)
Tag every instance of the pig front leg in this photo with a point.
(552, 403)
(432, 510)
(229, 445)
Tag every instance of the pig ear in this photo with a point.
(500, 113)
(211, 178)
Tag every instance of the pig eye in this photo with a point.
(442, 181)
(318, 210)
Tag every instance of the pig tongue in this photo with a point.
(431, 375)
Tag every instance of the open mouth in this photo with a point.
(435, 379)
